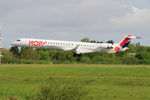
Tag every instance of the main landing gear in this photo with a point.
(76, 55)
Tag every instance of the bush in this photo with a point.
(129, 60)
(59, 92)
(10, 60)
(85, 60)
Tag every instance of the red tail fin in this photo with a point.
(124, 43)
(126, 39)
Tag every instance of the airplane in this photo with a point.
(77, 48)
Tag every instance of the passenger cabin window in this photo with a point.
(18, 40)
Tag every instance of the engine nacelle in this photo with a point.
(106, 46)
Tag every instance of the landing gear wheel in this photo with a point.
(76, 55)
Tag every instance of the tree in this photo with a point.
(85, 40)
(44, 55)
(85, 60)
(29, 53)
(129, 60)
(110, 41)
(139, 56)
(6, 52)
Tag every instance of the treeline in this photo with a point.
(135, 55)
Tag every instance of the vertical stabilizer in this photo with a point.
(124, 43)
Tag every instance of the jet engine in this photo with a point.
(106, 46)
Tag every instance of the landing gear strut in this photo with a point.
(76, 55)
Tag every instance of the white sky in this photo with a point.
(100, 20)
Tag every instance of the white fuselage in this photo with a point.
(77, 47)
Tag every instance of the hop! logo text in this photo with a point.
(37, 43)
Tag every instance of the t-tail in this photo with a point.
(123, 45)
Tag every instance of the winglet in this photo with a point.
(138, 37)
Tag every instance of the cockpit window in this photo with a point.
(18, 40)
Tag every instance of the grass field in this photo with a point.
(103, 82)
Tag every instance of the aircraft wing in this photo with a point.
(75, 49)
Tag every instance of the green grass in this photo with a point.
(103, 82)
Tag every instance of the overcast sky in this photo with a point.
(100, 20)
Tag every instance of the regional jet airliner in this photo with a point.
(75, 47)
